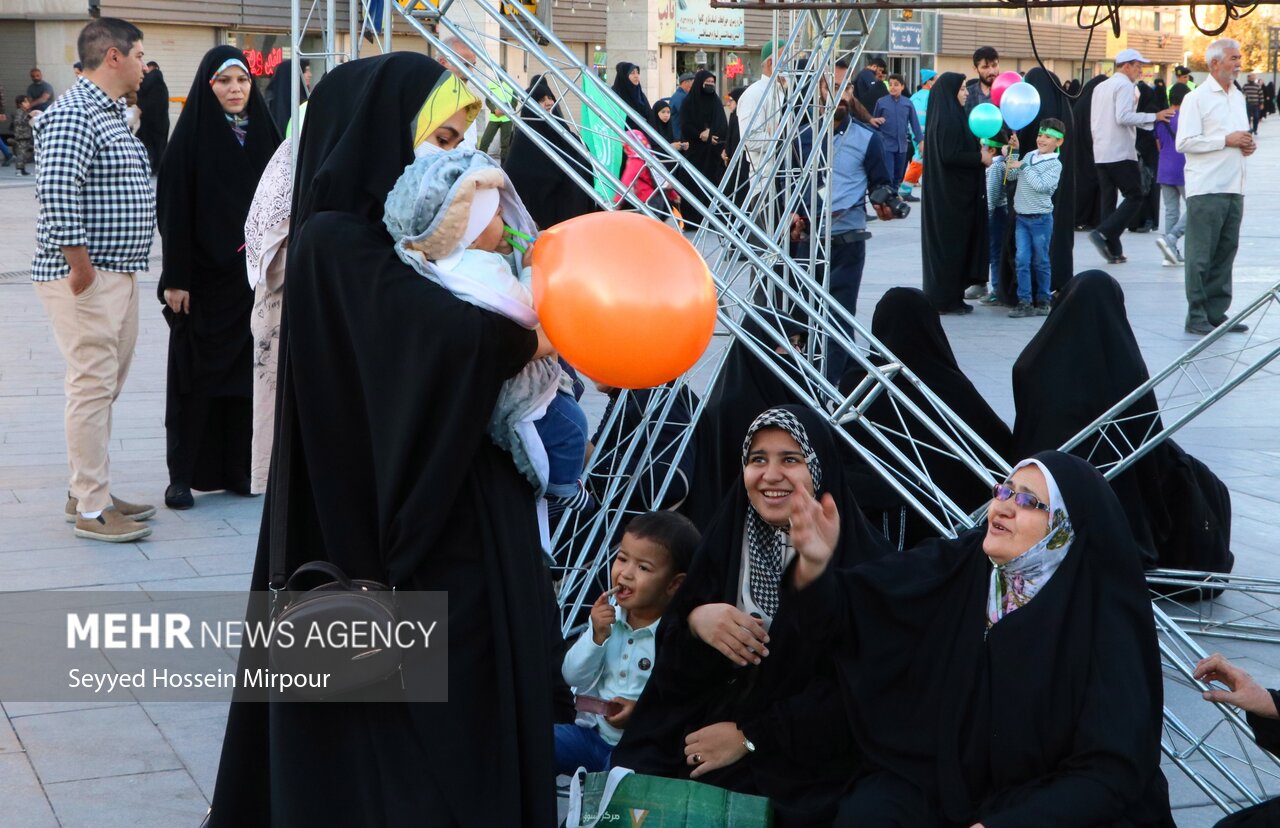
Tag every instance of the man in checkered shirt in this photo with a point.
(97, 217)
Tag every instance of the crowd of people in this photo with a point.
(353, 332)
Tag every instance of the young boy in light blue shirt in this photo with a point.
(995, 152)
(610, 663)
(1037, 175)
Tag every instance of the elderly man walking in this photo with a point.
(97, 217)
(1213, 132)
(1115, 129)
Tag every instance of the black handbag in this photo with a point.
(337, 599)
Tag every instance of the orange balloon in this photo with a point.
(626, 299)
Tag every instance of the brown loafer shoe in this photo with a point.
(133, 511)
(110, 526)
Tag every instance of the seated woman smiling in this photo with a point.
(1007, 677)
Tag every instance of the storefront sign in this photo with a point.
(697, 22)
(905, 37)
(264, 66)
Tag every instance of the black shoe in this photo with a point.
(1239, 327)
(1199, 328)
(178, 497)
(7, 161)
(959, 309)
(1100, 243)
(242, 488)
(23, 172)
(911, 198)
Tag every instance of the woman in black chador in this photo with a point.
(1088, 195)
(1007, 677)
(548, 193)
(1082, 361)
(704, 125)
(953, 227)
(387, 382)
(279, 100)
(220, 146)
(909, 327)
(723, 705)
(626, 85)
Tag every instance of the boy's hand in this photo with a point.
(1013, 163)
(527, 259)
(620, 719)
(1013, 141)
(713, 747)
(602, 617)
(738, 636)
(815, 530)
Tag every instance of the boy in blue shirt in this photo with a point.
(1037, 175)
(610, 663)
(896, 117)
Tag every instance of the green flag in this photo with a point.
(600, 135)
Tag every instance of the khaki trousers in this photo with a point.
(96, 333)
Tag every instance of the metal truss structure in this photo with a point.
(773, 303)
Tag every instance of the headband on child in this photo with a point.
(991, 142)
(1052, 133)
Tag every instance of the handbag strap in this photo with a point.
(574, 817)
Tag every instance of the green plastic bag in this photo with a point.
(622, 799)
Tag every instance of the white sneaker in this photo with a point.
(1169, 249)
(975, 292)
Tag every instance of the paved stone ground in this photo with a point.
(154, 764)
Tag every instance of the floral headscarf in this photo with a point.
(449, 96)
(1015, 583)
(766, 543)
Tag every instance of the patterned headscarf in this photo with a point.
(767, 543)
(449, 96)
(239, 122)
(1015, 583)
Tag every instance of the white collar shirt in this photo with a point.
(1207, 116)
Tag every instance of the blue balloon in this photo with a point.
(1020, 105)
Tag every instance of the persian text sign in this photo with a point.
(697, 22)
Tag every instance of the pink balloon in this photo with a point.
(1002, 82)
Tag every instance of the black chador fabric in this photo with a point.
(1051, 718)
(1054, 103)
(206, 183)
(908, 326)
(279, 101)
(953, 227)
(745, 389)
(631, 94)
(788, 706)
(1148, 162)
(548, 193)
(738, 180)
(153, 131)
(1088, 196)
(391, 380)
(1266, 732)
(703, 110)
(1179, 512)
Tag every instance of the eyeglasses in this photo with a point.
(1003, 491)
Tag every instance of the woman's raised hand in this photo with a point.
(815, 530)
(738, 636)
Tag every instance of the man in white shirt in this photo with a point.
(1213, 132)
(759, 109)
(1115, 129)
